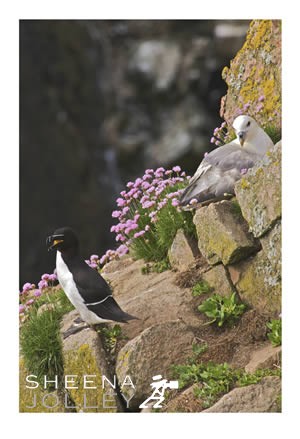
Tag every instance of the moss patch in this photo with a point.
(82, 361)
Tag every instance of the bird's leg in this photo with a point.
(74, 329)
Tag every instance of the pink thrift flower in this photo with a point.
(145, 185)
(138, 234)
(29, 302)
(205, 154)
(130, 184)
(121, 202)
(169, 172)
(45, 276)
(193, 201)
(149, 171)
(116, 213)
(94, 257)
(42, 284)
(37, 293)
(176, 168)
(122, 250)
(103, 259)
(148, 204)
(125, 210)
(175, 202)
(244, 171)
(147, 228)
(52, 277)
(21, 308)
(138, 182)
(93, 265)
(27, 287)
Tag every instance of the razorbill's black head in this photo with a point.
(63, 239)
(83, 285)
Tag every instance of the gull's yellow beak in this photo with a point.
(241, 136)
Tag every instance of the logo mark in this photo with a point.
(159, 386)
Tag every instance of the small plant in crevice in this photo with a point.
(222, 309)
(111, 335)
(274, 335)
(245, 379)
(214, 380)
(156, 267)
(201, 287)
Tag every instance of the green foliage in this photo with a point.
(200, 288)
(156, 267)
(41, 344)
(111, 336)
(246, 379)
(154, 245)
(275, 332)
(40, 340)
(199, 349)
(273, 132)
(222, 309)
(169, 221)
(216, 379)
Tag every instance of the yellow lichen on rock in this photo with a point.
(254, 76)
(37, 400)
(82, 362)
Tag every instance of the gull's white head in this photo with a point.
(246, 128)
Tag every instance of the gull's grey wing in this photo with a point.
(217, 173)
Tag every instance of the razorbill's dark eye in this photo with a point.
(248, 124)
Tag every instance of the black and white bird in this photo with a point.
(84, 286)
(223, 167)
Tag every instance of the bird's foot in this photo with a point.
(78, 321)
(74, 329)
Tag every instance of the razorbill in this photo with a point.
(84, 286)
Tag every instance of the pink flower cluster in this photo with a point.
(29, 291)
(140, 204)
(93, 262)
(220, 135)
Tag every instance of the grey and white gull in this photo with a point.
(221, 168)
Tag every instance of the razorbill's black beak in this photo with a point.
(53, 240)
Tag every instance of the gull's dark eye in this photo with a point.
(248, 124)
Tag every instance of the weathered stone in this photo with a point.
(185, 402)
(152, 353)
(257, 283)
(264, 358)
(271, 244)
(254, 76)
(37, 400)
(223, 233)
(83, 355)
(256, 398)
(217, 279)
(182, 252)
(135, 291)
(259, 193)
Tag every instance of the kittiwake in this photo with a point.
(220, 169)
